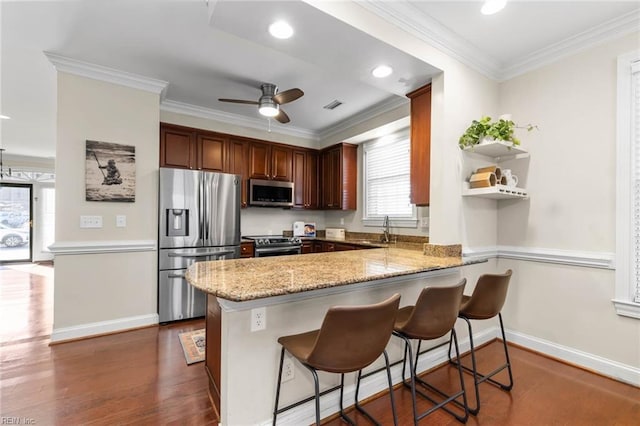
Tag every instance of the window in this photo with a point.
(386, 181)
(627, 299)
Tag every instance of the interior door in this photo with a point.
(15, 222)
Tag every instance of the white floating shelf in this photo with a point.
(498, 192)
(497, 150)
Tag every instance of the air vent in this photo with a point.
(332, 105)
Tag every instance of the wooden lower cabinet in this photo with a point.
(307, 247)
(247, 249)
(213, 350)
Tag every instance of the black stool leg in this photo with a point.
(506, 355)
(412, 384)
(393, 401)
(342, 413)
(317, 392)
(275, 409)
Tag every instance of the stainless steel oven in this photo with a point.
(275, 245)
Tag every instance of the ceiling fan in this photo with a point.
(270, 101)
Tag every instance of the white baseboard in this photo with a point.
(616, 370)
(305, 414)
(329, 404)
(102, 327)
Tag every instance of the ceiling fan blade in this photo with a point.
(288, 96)
(239, 101)
(282, 117)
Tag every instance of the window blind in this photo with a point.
(635, 176)
(387, 177)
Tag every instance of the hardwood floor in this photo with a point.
(137, 377)
(140, 377)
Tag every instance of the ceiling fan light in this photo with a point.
(493, 6)
(267, 107)
(281, 30)
(382, 71)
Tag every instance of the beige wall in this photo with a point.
(91, 288)
(572, 181)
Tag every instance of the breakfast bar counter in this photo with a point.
(255, 278)
(252, 302)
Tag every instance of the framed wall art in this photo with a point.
(110, 172)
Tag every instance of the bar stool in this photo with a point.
(485, 302)
(350, 338)
(433, 316)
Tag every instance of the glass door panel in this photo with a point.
(15, 222)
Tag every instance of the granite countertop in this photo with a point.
(254, 278)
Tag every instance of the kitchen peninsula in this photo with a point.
(295, 292)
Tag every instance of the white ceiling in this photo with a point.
(230, 55)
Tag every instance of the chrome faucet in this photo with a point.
(385, 233)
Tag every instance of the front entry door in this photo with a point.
(15, 222)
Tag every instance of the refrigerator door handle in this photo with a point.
(201, 254)
(176, 276)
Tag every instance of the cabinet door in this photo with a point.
(317, 246)
(177, 148)
(299, 179)
(212, 151)
(238, 159)
(311, 193)
(327, 246)
(259, 160)
(307, 247)
(280, 163)
(420, 145)
(328, 179)
(246, 249)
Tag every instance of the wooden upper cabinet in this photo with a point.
(305, 179)
(281, 161)
(270, 161)
(177, 147)
(420, 145)
(212, 152)
(339, 177)
(259, 164)
(187, 148)
(238, 163)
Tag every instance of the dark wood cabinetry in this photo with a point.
(212, 152)
(270, 161)
(213, 350)
(305, 179)
(247, 249)
(324, 179)
(420, 144)
(177, 147)
(339, 177)
(307, 247)
(238, 163)
(186, 148)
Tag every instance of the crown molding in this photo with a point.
(381, 108)
(110, 75)
(238, 120)
(615, 28)
(404, 15)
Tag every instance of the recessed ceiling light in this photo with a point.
(280, 29)
(4, 117)
(493, 6)
(382, 71)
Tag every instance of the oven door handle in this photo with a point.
(277, 249)
(202, 254)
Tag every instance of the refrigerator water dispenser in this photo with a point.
(177, 222)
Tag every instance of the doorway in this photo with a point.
(16, 212)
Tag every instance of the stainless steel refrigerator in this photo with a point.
(199, 221)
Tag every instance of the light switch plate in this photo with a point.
(90, 221)
(121, 221)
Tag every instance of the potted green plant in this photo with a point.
(483, 130)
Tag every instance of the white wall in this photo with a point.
(93, 288)
(571, 178)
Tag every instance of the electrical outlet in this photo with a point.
(287, 370)
(121, 221)
(342, 221)
(424, 222)
(258, 319)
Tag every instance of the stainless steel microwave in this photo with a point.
(270, 193)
